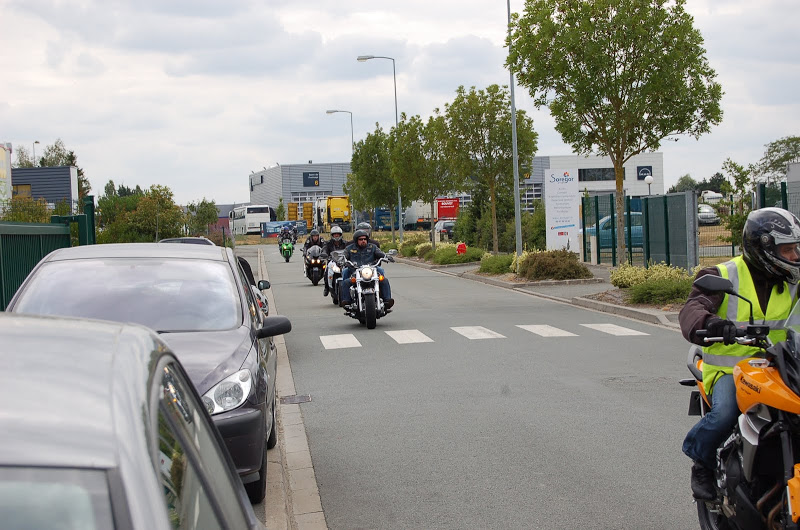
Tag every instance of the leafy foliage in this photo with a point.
(496, 264)
(777, 157)
(661, 291)
(280, 211)
(447, 254)
(685, 183)
(26, 210)
(626, 275)
(553, 265)
(200, 215)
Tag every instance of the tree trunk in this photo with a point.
(495, 246)
(391, 222)
(619, 174)
(433, 225)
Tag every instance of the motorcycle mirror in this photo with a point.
(263, 284)
(712, 283)
(392, 252)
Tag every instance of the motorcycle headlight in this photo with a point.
(366, 273)
(229, 393)
(335, 268)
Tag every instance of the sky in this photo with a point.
(198, 94)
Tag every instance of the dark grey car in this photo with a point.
(198, 298)
(101, 428)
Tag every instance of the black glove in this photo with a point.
(722, 328)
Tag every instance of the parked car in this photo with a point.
(605, 241)
(199, 299)
(101, 428)
(445, 229)
(189, 240)
(707, 215)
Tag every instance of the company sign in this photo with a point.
(562, 200)
(643, 171)
(310, 179)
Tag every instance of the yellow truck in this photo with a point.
(334, 210)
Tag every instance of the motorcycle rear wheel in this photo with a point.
(711, 520)
(370, 311)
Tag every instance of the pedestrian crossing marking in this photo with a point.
(335, 342)
(613, 329)
(408, 336)
(546, 331)
(477, 332)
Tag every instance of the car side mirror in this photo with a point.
(274, 325)
(263, 284)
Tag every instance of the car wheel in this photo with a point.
(272, 441)
(256, 491)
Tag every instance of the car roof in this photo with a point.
(60, 380)
(188, 240)
(140, 250)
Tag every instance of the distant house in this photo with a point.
(53, 184)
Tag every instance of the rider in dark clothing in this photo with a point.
(366, 227)
(336, 242)
(313, 239)
(362, 252)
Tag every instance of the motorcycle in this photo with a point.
(314, 264)
(286, 248)
(758, 466)
(334, 272)
(364, 288)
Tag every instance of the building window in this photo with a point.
(598, 174)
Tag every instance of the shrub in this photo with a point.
(553, 265)
(499, 264)
(447, 255)
(423, 250)
(628, 275)
(386, 246)
(408, 248)
(661, 291)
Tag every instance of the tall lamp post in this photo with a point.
(515, 155)
(365, 58)
(648, 180)
(34, 152)
(352, 141)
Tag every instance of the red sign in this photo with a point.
(447, 208)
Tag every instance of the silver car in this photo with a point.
(707, 215)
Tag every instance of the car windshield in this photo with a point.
(162, 294)
(706, 209)
(54, 498)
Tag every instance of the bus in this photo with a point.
(247, 219)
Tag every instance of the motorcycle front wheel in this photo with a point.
(370, 311)
(711, 520)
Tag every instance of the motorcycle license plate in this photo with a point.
(368, 291)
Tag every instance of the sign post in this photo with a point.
(562, 200)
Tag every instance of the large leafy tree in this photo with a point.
(777, 157)
(418, 155)
(370, 185)
(479, 142)
(619, 76)
(200, 215)
(685, 183)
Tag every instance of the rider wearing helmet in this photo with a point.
(286, 233)
(313, 239)
(336, 242)
(767, 274)
(362, 252)
(366, 227)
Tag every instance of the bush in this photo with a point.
(423, 250)
(628, 275)
(553, 265)
(408, 249)
(386, 246)
(499, 264)
(661, 291)
(447, 255)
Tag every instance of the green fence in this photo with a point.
(22, 245)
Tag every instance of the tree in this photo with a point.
(200, 215)
(417, 154)
(58, 155)
(479, 142)
(24, 159)
(685, 183)
(739, 206)
(370, 184)
(280, 211)
(156, 216)
(774, 165)
(618, 76)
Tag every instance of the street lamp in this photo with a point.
(515, 154)
(34, 152)
(363, 59)
(352, 141)
(648, 180)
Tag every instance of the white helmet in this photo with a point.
(336, 231)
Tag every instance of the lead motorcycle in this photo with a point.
(758, 466)
(364, 287)
(314, 264)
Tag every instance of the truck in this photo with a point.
(383, 219)
(333, 211)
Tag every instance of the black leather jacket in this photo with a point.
(333, 244)
(363, 256)
(308, 244)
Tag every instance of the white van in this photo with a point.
(710, 197)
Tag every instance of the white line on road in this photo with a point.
(408, 336)
(613, 329)
(477, 332)
(546, 331)
(334, 342)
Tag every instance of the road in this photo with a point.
(526, 429)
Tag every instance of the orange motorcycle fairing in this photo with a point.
(763, 385)
(793, 493)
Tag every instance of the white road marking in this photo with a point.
(477, 332)
(334, 342)
(408, 336)
(547, 331)
(613, 329)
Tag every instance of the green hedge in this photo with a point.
(553, 265)
(661, 291)
(448, 255)
(500, 264)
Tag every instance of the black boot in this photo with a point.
(325, 291)
(703, 483)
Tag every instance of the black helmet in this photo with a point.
(314, 232)
(764, 230)
(336, 230)
(359, 233)
(366, 227)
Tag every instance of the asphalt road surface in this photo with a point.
(451, 415)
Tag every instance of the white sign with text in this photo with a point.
(562, 204)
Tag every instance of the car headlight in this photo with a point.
(229, 393)
(366, 273)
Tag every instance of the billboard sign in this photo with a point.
(447, 208)
(5, 172)
(562, 204)
(643, 172)
(310, 179)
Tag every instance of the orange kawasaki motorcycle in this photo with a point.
(758, 465)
